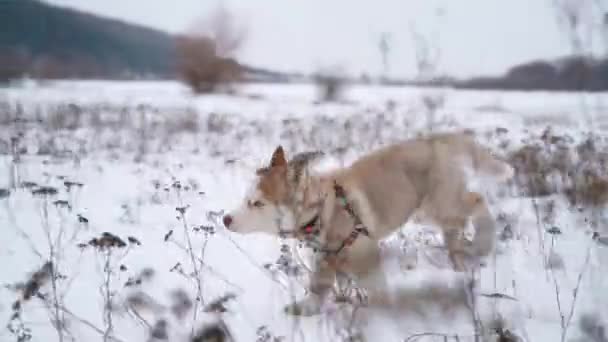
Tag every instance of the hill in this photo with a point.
(47, 41)
(43, 40)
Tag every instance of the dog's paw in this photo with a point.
(306, 307)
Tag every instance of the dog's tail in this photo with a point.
(488, 164)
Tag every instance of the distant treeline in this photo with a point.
(573, 73)
(45, 41)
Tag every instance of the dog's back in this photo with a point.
(394, 181)
(417, 157)
(424, 153)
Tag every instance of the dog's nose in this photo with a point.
(227, 221)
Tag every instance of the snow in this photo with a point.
(129, 189)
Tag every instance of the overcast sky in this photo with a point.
(474, 36)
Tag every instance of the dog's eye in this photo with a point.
(258, 204)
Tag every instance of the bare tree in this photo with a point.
(570, 16)
(427, 53)
(384, 47)
(206, 55)
(201, 68)
(222, 28)
(584, 23)
(598, 13)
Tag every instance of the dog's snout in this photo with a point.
(227, 221)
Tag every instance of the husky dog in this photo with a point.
(347, 211)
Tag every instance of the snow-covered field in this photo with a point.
(155, 166)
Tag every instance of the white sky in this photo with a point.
(475, 36)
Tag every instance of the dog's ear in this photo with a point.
(278, 157)
(301, 160)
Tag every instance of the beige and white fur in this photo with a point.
(427, 174)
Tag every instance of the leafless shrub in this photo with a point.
(200, 67)
(589, 182)
(64, 117)
(206, 54)
(590, 191)
(554, 165)
(330, 85)
(531, 170)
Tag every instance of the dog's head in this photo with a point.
(270, 207)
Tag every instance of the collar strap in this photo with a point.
(358, 229)
(341, 196)
(312, 227)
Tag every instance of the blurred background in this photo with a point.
(541, 44)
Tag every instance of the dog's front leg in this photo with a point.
(322, 281)
(456, 249)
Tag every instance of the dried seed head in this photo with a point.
(219, 305)
(159, 330)
(133, 240)
(107, 241)
(37, 280)
(212, 333)
(45, 191)
(181, 303)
